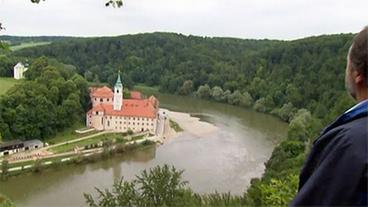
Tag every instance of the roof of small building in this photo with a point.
(130, 107)
(135, 95)
(104, 92)
(19, 64)
(32, 143)
(10, 143)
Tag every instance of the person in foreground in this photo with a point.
(335, 173)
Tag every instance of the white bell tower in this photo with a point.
(118, 94)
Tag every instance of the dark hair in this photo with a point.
(359, 53)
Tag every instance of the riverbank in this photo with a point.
(192, 125)
(69, 151)
(85, 156)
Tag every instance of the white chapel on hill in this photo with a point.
(19, 70)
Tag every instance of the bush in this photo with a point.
(260, 105)
(160, 186)
(37, 166)
(246, 100)
(217, 94)
(300, 127)
(286, 112)
(279, 192)
(4, 168)
(130, 131)
(204, 92)
(5, 202)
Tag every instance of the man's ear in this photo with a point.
(358, 77)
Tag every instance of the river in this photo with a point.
(222, 161)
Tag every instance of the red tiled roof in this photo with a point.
(135, 95)
(104, 92)
(131, 107)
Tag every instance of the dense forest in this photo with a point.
(300, 81)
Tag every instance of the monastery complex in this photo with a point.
(110, 111)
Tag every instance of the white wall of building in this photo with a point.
(19, 70)
(136, 124)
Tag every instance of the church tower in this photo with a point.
(118, 94)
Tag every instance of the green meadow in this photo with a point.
(28, 44)
(6, 83)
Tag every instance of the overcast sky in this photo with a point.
(272, 19)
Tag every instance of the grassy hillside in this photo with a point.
(17, 40)
(6, 83)
(27, 44)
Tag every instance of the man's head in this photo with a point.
(356, 79)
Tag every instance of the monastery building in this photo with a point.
(110, 111)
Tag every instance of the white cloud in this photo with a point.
(273, 19)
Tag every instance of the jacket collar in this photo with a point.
(358, 111)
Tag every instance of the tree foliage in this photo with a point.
(279, 192)
(158, 187)
(53, 98)
(5, 202)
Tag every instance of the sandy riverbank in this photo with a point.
(189, 124)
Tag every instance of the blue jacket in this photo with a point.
(335, 173)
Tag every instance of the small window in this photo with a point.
(96, 112)
(108, 100)
(101, 99)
